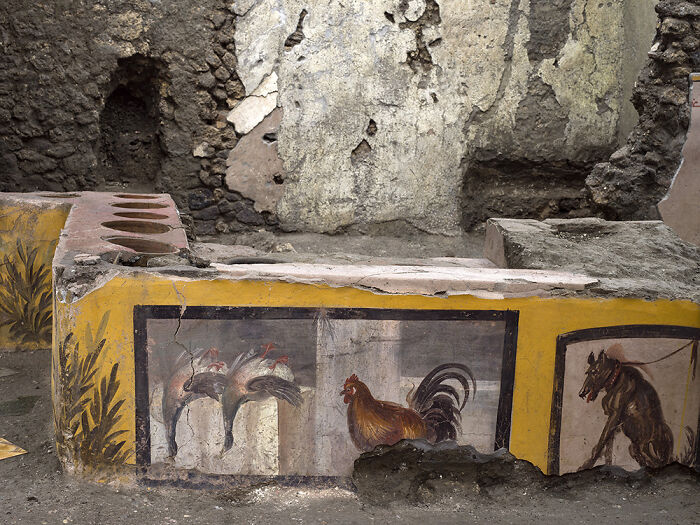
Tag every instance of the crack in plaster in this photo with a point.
(183, 307)
(478, 115)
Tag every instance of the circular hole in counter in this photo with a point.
(141, 245)
(140, 215)
(135, 196)
(139, 205)
(60, 195)
(137, 226)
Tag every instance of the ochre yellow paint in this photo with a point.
(36, 225)
(9, 450)
(541, 321)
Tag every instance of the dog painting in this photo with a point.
(631, 405)
(627, 401)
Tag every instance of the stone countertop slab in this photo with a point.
(97, 223)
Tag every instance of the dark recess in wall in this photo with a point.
(522, 189)
(129, 152)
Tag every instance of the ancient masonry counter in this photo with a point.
(235, 372)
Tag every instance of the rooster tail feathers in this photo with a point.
(433, 383)
(440, 403)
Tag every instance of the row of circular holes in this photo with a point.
(134, 243)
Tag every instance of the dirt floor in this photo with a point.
(35, 491)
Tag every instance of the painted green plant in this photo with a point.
(86, 414)
(25, 295)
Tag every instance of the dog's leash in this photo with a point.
(638, 363)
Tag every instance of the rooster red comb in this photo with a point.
(352, 379)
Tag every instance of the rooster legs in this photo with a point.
(267, 347)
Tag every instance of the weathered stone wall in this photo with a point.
(431, 115)
(499, 108)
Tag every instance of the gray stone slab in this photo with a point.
(630, 259)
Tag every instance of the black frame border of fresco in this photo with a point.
(142, 313)
(630, 331)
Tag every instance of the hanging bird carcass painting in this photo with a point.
(216, 393)
(250, 377)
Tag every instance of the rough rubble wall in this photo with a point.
(165, 71)
(638, 175)
(393, 114)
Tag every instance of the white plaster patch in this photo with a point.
(421, 280)
(253, 109)
(585, 76)
(353, 65)
(259, 37)
(354, 69)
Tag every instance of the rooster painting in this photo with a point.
(433, 411)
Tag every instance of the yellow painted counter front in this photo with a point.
(28, 235)
(122, 415)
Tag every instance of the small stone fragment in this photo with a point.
(249, 216)
(222, 74)
(285, 247)
(207, 214)
(85, 259)
(212, 59)
(229, 60)
(200, 199)
(207, 80)
(203, 150)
